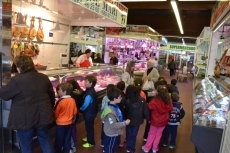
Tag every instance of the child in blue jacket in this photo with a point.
(174, 120)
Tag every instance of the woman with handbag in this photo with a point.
(151, 74)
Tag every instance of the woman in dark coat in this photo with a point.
(31, 111)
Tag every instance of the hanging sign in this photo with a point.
(110, 9)
(178, 47)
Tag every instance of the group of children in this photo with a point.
(73, 99)
(121, 107)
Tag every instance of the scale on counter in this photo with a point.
(63, 56)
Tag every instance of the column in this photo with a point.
(212, 54)
(5, 70)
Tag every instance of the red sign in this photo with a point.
(218, 10)
(114, 30)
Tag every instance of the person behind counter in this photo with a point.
(32, 105)
(85, 60)
(113, 60)
(151, 74)
(98, 59)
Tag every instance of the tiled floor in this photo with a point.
(184, 145)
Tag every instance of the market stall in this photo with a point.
(211, 96)
(134, 43)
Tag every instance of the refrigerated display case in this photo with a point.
(210, 108)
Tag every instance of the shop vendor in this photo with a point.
(113, 60)
(85, 60)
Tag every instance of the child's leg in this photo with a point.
(158, 135)
(59, 138)
(147, 127)
(151, 138)
(89, 125)
(102, 134)
(110, 144)
(131, 132)
(173, 135)
(73, 137)
(165, 135)
(67, 139)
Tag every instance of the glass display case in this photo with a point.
(105, 75)
(210, 103)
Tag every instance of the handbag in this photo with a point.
(148, 85)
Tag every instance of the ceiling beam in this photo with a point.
(167, 5)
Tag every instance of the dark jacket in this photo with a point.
(32, 100)
(137, 112)
(92, 109)
(172, 65)
(175, 89)
(176, 114)
(77, 95)
(159, 112)
(122, 106)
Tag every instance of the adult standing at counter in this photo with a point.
(85, 60)
(127, 76)
(151, 74)
(113, 60)
(31, 111)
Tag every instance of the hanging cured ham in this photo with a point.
(40, 33)
(16, 31)
(32, 31)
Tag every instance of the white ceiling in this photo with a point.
(75, 14)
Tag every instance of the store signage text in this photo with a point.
(107, 8)
(179, 47)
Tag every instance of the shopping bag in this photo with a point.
(148, 85)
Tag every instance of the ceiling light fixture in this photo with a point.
(142, 0)
(57, 26)
(176, 12)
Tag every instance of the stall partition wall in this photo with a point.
(5, 57)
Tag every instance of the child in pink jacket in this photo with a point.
(159, 107)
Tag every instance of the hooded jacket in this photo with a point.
(159, 112)
(137, 112)
(112, 125)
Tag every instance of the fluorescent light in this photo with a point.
(152, 29)
(141, 0)
(176, 12)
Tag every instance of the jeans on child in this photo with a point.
(131, 135)
(170, 130)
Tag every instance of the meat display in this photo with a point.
(40, 33)
(32, 32)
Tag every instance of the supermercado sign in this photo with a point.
(178, 47)
(181, 47)
(114, 11)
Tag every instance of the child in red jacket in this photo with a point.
(159, 107)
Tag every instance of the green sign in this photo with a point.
(179, 47)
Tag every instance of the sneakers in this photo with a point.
(145, 151)
(164, 145)
(102, 146)
(84, 139)
(154, 151)
(87, 145)
(128, 151)
(145, 140)
(121, 145)
(172, 146)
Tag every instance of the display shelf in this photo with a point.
(210, 103)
